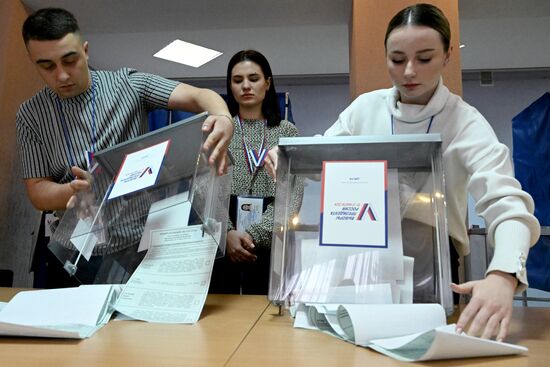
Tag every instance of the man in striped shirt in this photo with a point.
(82, 111)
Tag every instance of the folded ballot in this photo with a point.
(407, 332)
(74, 313)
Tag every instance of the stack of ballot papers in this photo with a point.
(407, 332)
(74, 313)
(171, 283)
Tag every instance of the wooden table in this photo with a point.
(224, 324)
(243, 331)
(274, 342)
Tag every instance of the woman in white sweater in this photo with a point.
(417, 50)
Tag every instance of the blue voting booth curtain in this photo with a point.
(531, 137)
(285, 106)
(161, 117)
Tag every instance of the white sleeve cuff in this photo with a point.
(512, 239)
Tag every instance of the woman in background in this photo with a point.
(253, 103)
(417, 50)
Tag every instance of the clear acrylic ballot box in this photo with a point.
(410, 265)
(107, 230)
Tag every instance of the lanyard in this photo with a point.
(254, 158)
(66, 130)
(427, 131)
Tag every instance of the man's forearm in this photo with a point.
(45, 194)
(189, 98)
(212, 102)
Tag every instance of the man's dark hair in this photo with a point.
(49, 24)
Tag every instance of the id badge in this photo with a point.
(249, 211)
(50, 222)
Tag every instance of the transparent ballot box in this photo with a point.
(107, 230)
(342, 236)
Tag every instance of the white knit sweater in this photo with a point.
(473, 160)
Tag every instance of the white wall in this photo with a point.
(505, 43)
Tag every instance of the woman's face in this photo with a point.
(248, 84)
(415, 59)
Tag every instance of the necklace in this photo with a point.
(253, 158)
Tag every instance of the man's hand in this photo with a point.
(240, 247)
(81, 186)
(489, 311)
(220, 129)
(46, 194)
(219, 124)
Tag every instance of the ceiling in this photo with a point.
(472, 9)
(124, 16)
(127, 16)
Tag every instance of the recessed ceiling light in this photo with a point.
(462, 45)
(187, 53)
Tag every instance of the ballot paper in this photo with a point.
(171, 283)
(74, 313)
(442, 343)
(172, 212)
(407, 332)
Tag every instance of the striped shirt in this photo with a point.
(54, 134)
(122, 99)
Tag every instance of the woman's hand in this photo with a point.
(489, 311)
(270, 162)
(240, 247)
